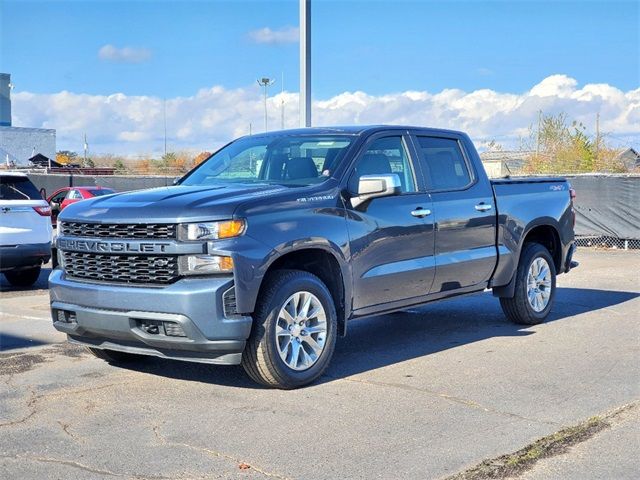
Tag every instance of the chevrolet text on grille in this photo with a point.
(119, 247)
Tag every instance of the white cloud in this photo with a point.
(109, 53)
(275, 37)
(134, 124)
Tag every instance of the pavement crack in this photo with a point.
(83, 467)
(65, 429)
(240, 463)
(31, 405)
(449, 398)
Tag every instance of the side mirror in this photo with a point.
(176, 180)
(55, 206)
(375, 186)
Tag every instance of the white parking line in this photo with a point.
(27, 317)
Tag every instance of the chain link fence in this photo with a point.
(607, 243)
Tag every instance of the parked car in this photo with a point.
(64, 197)
(25, 229)
(261, 254)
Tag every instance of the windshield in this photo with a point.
(284, 160)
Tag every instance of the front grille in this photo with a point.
(119, 230)
(133, 269)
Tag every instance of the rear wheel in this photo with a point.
(535, 287)
(23, 278)
(294, 331)
(113, 355)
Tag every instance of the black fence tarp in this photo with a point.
(607, 205)
(120, 183)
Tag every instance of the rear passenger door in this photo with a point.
(464, 213)
(391, 238)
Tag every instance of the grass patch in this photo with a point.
(514, 464)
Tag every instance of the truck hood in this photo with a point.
(175, 204)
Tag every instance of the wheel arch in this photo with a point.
(547, 235)
(322, 262)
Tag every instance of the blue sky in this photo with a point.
(103, 68)
(375, 46)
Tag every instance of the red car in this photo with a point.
(68, 195)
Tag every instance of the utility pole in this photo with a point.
(538, 134)
(164, 114)
(597, 137)
(85, 147)
(266, 83)
(305, 63)
(282, 103)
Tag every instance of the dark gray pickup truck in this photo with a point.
(261, 254)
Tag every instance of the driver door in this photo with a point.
(391, 238)
(56, 202)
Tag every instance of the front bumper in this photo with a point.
(14, 257)
(144, 320)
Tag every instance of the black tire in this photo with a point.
(23, 278)
(113, 356)
(260, 358)
(517, 308)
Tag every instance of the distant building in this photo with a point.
(505, 162)
(630, 158)
(19, 144)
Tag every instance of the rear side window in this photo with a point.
(18, 188)
(102, 191)
(445, 163)
(74, 195)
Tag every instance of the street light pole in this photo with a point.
(266, 83)
(305, 63)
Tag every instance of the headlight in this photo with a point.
(211, 230)
(60, 258)
(205, 264)
(60, 229)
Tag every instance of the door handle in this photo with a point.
(420, 212)
(483, 207)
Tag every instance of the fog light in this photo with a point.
(173, 329)
(205, 264)
(65, 316)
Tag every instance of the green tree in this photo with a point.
(119, 166)
(561, 146)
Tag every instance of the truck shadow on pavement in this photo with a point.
(385, 340)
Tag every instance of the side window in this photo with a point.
(58, 197)
(385, 155)
(74, 195)
(445, 163)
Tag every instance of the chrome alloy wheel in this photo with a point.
(301, 330)
(539, 284)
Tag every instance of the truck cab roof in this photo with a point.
(355, 130)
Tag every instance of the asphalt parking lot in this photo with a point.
(426, 393)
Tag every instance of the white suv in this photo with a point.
(25, 229)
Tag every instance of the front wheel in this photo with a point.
(294, 331)
(535, 287)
